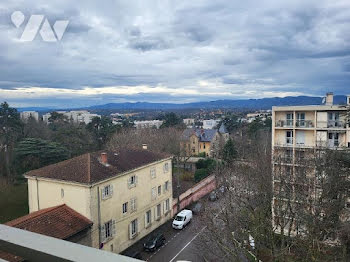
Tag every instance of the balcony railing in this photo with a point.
(331, 124)
(304, 123)
(337, 124)
(284, 123)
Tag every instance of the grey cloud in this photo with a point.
(262, 46)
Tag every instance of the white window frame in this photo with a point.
(153, 172)
(108, 230)
(133, 228)
(107, 192)
(158, 212)
(167, 205)
(166, 186)
(132, 181)
(166, 167)
(125, 208)
(148, 218)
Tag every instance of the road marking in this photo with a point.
(188, 244)
(193, 238)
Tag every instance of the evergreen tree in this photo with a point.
(33, 153)
(229, 151)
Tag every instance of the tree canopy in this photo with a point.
(32, 153)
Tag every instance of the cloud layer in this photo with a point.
(175, 51)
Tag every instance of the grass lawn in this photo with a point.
(13, 201)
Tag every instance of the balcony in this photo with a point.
(304, 124)
(35, 247)
(284, 123)
(331, 124)
(288, 143)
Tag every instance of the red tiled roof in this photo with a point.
(60, 222)
(87, 168)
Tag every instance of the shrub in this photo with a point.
(200, 174)
(187, 176)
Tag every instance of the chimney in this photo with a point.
(348, 100)
(329, 99)
(144, 146)
(104, 158)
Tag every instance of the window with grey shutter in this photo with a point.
(114, 230)
(103, 233)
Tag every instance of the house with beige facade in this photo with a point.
(126, 194)
(298, 132)
(195, 141)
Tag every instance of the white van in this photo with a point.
(182, 219)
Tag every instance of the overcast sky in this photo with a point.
(175, 51)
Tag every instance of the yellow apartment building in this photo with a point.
(297, 131)
(126, 194)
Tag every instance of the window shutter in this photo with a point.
(114, 230)
(103, 193)
(111, 189)
(164, 210)
(103, 233)
(130, 233)
(164, 189)
(137, 226)
(135, 200)
(136, 180)
(129, 182)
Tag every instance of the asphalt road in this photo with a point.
(181, 245)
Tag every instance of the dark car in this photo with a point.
(213, 196)
(154, 242)
(197, 208)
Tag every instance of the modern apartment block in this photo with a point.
(125, 194)
(25, 115)
(297, 131)
(82, 116)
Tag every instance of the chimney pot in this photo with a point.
(104, 158)
(144, 146)
(329, 99)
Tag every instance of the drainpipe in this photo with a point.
(99, 217)
(37, 193)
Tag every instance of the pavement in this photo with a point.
(181, 245)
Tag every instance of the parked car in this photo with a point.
(182, 219)
(197, 208)
(213, 196)
(154, 242)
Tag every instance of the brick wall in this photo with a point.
(196, 192)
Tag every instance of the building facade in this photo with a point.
(25, 115)
(82, 116)
(148, 124)
(298, 132)
(210, 124)
(196, 141)
(126, 194)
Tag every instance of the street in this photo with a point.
(181, 245)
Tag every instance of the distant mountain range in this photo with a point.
(263, 103)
